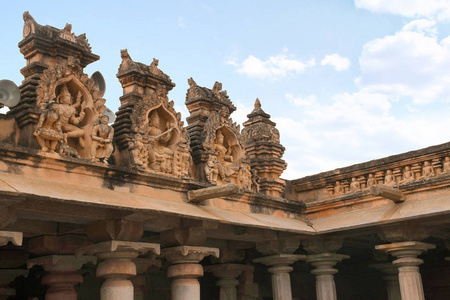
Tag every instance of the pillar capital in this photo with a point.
(279, 259)
(227, 274)
(280, 268)
(185, 269)
(11, 236)
(228, 270)
(62, 276)
(324, 271)
(119, 246)
(188, 254)
(117, 266)
(407, 249)
(61, 263)
(408, 266)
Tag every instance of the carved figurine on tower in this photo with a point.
(149, 132)
(215, 140)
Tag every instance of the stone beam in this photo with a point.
(200, 195)
(387, 192)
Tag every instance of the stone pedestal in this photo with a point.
(408, 266)
(324, 271)
(6, 277)
(280, 268)
(185, 269)
(391, 278)
(63, 275)
(227, 274)
(118, 266)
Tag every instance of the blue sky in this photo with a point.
(346, 81)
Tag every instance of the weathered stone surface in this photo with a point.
(213, 192)
(411, 286)
(10, 236)
(261, 141)
(324, 271)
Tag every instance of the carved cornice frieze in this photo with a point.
(402, 170)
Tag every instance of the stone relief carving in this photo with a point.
(226, 162)
(102, 138)
(71, 106)
(394, 177)
(159, 142)
(48, 130)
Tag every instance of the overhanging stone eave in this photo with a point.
(56, 191)
(410, 210)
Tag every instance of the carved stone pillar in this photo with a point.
(324, 271)
(227, 274)
(142, 264)
(185, 269)
(118, 266)
(6, 277)
(63, 275)
(280, 268)
(408, 266)
(391, 278)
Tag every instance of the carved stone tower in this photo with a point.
(149, 133)
(261, 141)
(44, 47)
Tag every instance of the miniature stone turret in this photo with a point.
(59, 105)
(149, 133)
(215, 140)
(261, 141)
(44, 47)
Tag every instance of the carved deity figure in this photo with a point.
(158, 150)
(102, 137)
(428, 170)
(446, 165)
(338, 188)
(255, 181)
(371, 180)
(225, 160)
(48, 130)
(183, 157)
(68, 115)
(245, 176)
(389, 179)
(355, 185)
(67, 34)
(408, 175)
(211, 170)
(137, 149)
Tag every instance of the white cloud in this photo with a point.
(301, 101)
(240, 114)
(274, 67)
(338, 62)
(181, 22)
(439, 9)
(411, 63)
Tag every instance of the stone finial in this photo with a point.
(260, 137)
